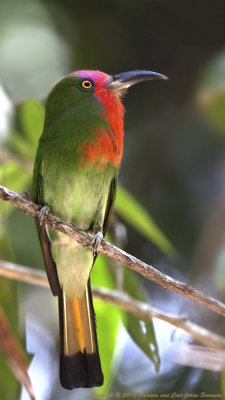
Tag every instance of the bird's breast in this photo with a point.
(107, 147)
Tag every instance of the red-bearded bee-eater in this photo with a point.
(75, 175)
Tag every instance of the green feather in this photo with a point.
(82, 195)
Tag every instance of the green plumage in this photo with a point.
(75, 192)
(81, 194)
(75, 174)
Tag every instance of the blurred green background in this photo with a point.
(170, 209)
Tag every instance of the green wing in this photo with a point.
(38, 197)
(109, 207)
(110, 202)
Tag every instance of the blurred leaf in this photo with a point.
(134, 213)
(213, 76)
(24, 139)
(212, 105)
(14, 177)
(211, 93)
(20, 145)
(222, 381)
(215, 112)
(14, 354)
(31, 115)
(219, 269)
(101, 274)
(142, 332)
(9, 385)
(107, 320)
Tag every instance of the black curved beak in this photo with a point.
(126, 79)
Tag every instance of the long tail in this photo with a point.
(79, 357)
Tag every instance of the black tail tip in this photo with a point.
(81, 370)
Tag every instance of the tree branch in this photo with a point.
(84, 238)
(142, 310)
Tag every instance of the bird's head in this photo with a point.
(93, 81)
(88, 83)
(90, 96)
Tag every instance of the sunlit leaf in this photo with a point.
(134, 213)
(14, 177)
(31, 115)
(107, 320)
(20, 146)
(142, 332)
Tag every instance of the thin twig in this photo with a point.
(142, 310)
(84, 238)
(23, 274)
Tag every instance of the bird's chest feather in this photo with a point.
(106, 148)
(106, 144)
(75, 192)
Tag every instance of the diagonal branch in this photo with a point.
(142, 310)
(84, 238)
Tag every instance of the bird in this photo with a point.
(75, 176)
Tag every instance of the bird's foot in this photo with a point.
(42, 213)
(95, 243)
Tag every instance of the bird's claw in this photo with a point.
(42, 213)
(95, 243)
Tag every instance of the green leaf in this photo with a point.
(14, 177)
(222, 381)
(142, 332)
(24, 140)
(9, 385)
(31, 116)
(136, 215)
(214, 111)
(107, 320)
(211, 93)
(20, 145)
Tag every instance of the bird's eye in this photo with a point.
(86, 84)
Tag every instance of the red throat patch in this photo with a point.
(108, 143)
